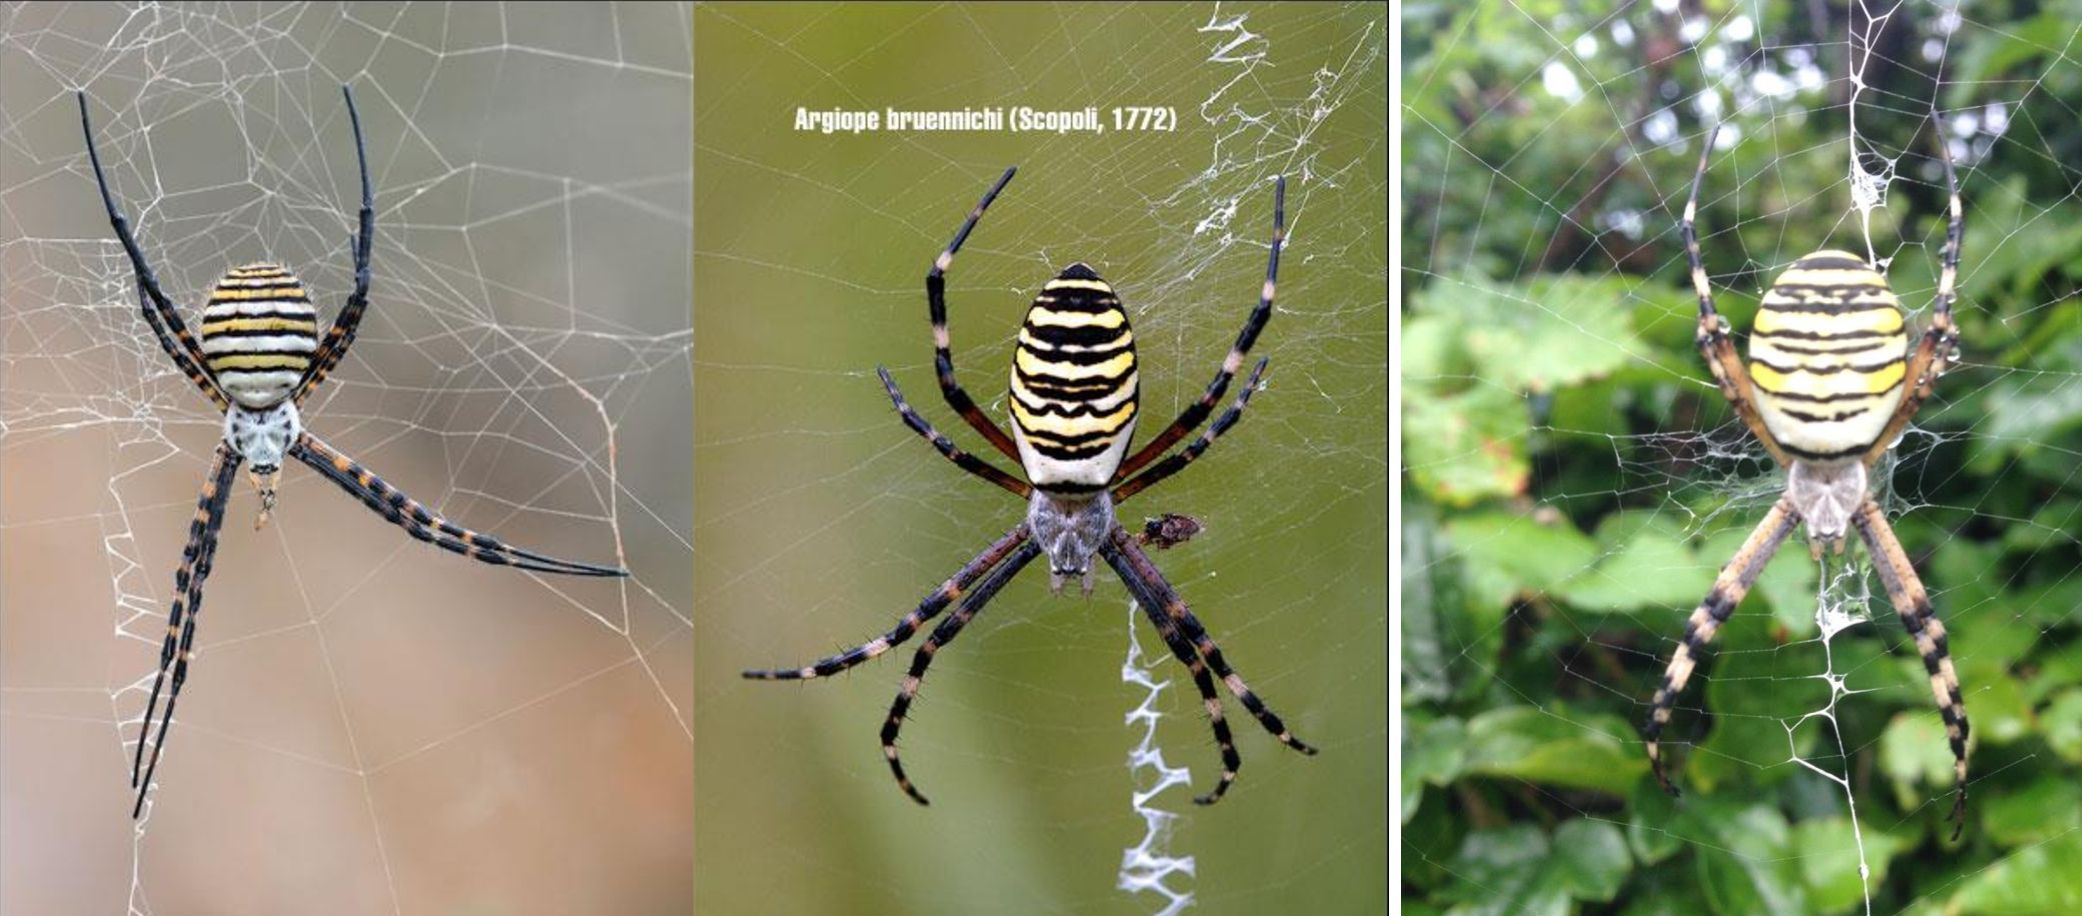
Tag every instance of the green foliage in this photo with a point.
(1521, 870)
(1573, 480)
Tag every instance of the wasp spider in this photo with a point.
(259, 356)
(1831, 384)
(1074, 402)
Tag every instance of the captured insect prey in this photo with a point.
(1831, 383)
(1074, 398)
(1168, 531)
(257, 356)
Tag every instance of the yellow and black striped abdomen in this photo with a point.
(1828, 355)
(258, 334)
(1074, 391)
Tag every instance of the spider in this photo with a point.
(1831, 385)
(259, 356)
(1074, 403)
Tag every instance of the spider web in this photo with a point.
(821, 520)
(371, 725)
(1633, 90)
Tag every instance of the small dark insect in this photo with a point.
(1167, 531)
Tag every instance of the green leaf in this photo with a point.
(1748, 868)
(1431, 625)
(2047, 807)
(1748, 744)
(1651, 568)
(2059, 666)
(1463, 447)
(1510, 555)
(2056, 522)
(1518, 870)
(1827, 853)
(1432, 754)
(1558, 330)
(1650, 812)
(1520, 742)
(1998, 711)
(1500, 872)
(1590, 859)
(2063, 724)
(2046, 878)
(1917, 760)
(2026, 412)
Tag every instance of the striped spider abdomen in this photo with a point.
(1827, 355)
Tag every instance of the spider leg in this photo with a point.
(1129, 560)
(1934, 353)
(196, 560)
(927, 609)
(165, 321)
(1729, 587)
(337, 340)
(1912, 603)
(941, 636)
(962, 459)
(943, 351)
(407, 513)
(1714, 342)
(1182, 648)
(1172, 464)
(1196, 412)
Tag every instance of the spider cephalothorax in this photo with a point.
(1070, 529)
(258, 357)
(1074, 398)
(1831, 384)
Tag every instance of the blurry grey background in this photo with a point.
(371, 725)
(820, 519)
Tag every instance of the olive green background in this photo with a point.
(820, 519)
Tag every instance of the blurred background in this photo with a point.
(371, 725)
(821, 519)
(1573, 479)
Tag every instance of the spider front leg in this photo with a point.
(334, 347)
(174, 652)
(160, 314)
(923, 658)
(1177, 462)
(1714, 343)
(1940, 342)
(1912, 604)
(1729, 586)
(1190, 418)
(943, 346)
(946, 446)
